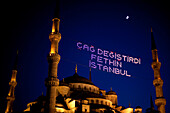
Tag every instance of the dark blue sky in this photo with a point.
(103, 24)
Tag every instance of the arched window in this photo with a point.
(90, 88)
(92, 101)
(85, 88)
(97, 101)
(79, 86)
(102, 102)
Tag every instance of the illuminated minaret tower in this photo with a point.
(11, 97)
(53, 59)
(160, 101)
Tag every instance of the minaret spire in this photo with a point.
(57, 10)
(110, 88)
(76, 69)
(11, 97)
(90, 74)
(53, 59)
(129, 104)
(160, 101)
(151, 102)
(153, 45)
(56, 19)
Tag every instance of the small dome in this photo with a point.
(111, 93)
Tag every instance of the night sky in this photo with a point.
(102, 23)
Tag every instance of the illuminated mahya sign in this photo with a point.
(108, 61)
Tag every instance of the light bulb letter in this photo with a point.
(111, 55)
(119, 64)
(92, 64)
(99, 51)
(117, 71)
(111, 62)
(106, 53)
(79, 45)
(119, 58)
(105, 68)
(127, 74)
(92, 49)
(85, 46)
(93, 56)
(124, 57)
(100, 65)
(135, 61)
(105, 60)
(99, 59)
(131, 59)
(111, 69)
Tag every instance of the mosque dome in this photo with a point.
(77, 79)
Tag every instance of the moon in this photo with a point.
(127, 17)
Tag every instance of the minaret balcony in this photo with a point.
(13, 83)
(160, 101)
(158, 82)
(10, 98)
(51, 81)
(156, 65)
(54, 57)
(55, 37)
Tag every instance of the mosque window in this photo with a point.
(101, 102)
(97, 101)
(92, 101)
(100, 111)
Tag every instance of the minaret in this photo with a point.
(160, 101)
(11, 97)
(53, 59)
